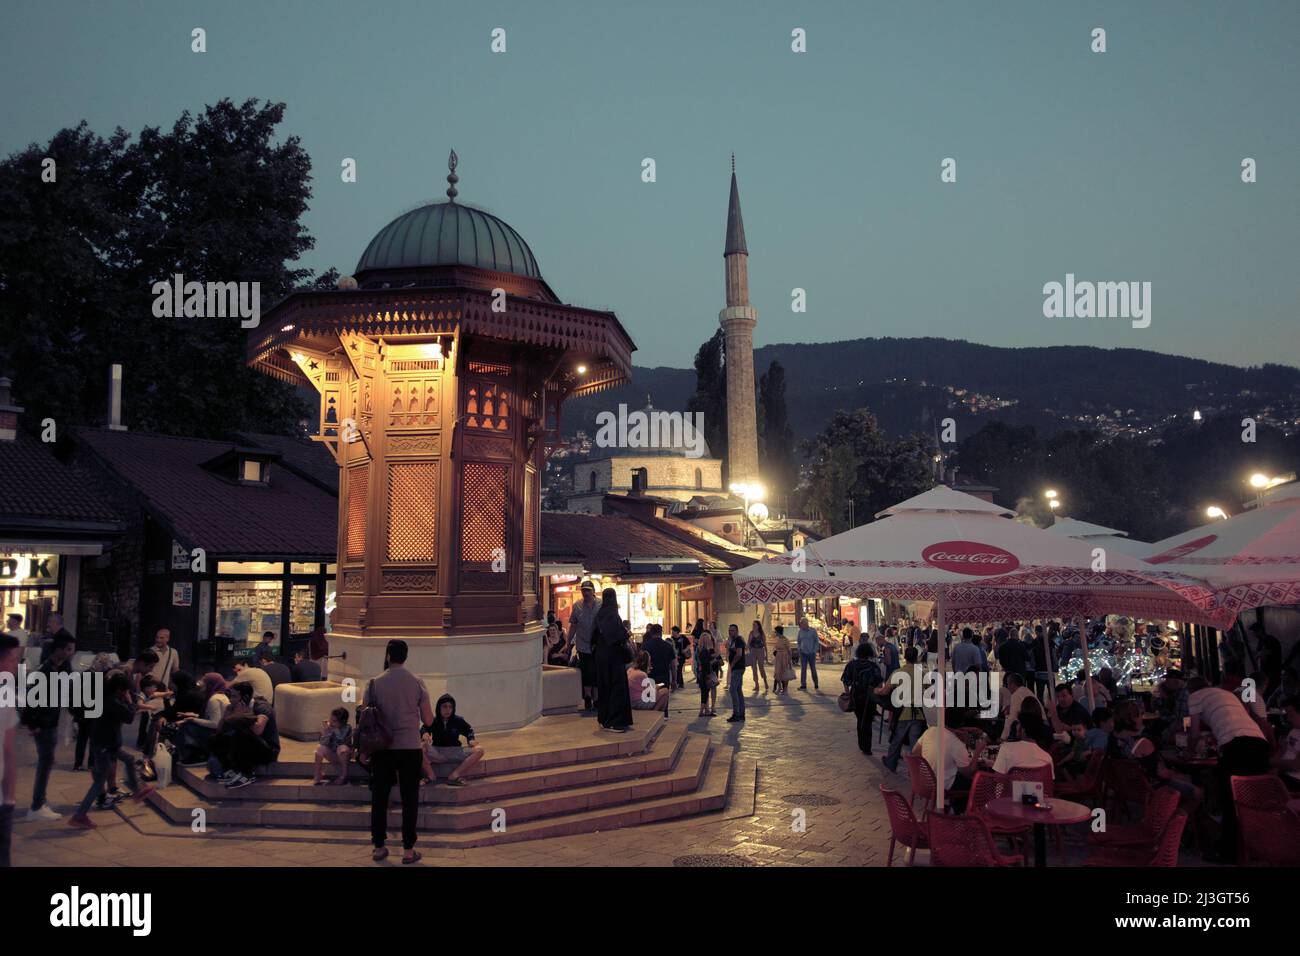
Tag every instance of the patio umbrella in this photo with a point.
(966, 555)
(1248, 561)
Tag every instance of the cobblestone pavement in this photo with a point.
(808, 763)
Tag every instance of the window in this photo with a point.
(302, 608)
(699, 479)
(412, 511)
(251, 470)
(245, 609)
(591, 480)
(358, 485)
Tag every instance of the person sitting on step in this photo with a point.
(335, 747)
(442, 742)
(247, 739)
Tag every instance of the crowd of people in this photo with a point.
(1187, 735)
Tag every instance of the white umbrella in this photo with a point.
(963, 553)
(1250, 560)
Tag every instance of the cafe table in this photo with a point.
(1058, 813)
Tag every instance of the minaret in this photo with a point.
(738, 320)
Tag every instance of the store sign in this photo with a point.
(663, 567)
(29, 570)
(182, 594)
(180, 557)
(970, 557)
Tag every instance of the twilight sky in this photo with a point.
(1117, 166)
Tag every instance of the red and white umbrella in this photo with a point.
(1250, 560)
(967, 556)
(987, 567)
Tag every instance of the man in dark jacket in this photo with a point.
(663, 656)
(43, 722)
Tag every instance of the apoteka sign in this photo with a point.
(970, 557)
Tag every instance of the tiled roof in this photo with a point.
(290, 516)
(37, 489)
(603, 542)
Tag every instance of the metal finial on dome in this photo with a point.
(733, 164)
(452, 178)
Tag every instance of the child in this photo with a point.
(442, 743)
(783, 671)
(335, 747)
(106, 747)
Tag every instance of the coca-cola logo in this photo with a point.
(1173, 554)
(970, 557)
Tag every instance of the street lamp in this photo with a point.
(750, 492)
(1214, 511)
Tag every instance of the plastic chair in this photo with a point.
(1160, 809)
(904, 826)
(1165, 853)
(989, 786)
(1268, 832)
(1127, 784)
(1044, 775)
(964, 840)
(1086, 788)
(924, 783)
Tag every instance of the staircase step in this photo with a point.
(660, 759)
(178, 803)
(548, 742)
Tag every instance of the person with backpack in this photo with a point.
(394, 709)
(861, 677)
(613, 653)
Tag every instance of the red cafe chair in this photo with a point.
(1165, 853)
(1160, 809)
(903, 825)
(1267, 830)
(963, 839)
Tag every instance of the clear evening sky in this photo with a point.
(1116, 166)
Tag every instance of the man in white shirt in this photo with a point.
(1243, 750)
(168, 659)
(1019, 693)
(14, 628)
(1021, 755)
(246, 673)
(958, 765)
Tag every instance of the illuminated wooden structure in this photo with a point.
(441, 370)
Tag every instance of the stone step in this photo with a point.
(557, 741)
(178, 803)
(659, 759)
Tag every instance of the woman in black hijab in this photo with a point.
(614, 703)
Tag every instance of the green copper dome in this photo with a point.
(448, 234)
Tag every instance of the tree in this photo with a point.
(216, 199)
(710, 398)
(775, 436)
(884, 472)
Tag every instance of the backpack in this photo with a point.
(866, 680)
(372, 733)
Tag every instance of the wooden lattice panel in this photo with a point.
(413, 511)
(358, 490)
(483, 521)
(530, 517)
(487, 405)
(414, 402)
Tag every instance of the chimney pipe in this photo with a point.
(115, 399)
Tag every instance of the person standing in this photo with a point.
(106, 749)
(967, 656)
(582, 627)
(403, 701)
(861, 677)
(911, 716)
(782, 666)
(736, 685)
(43, 722)
(15, 629)
(809, 644)
(54, 631)
(682, 644)
(613, 703)
(706, 673)
(11, 649)
(758, 652)
(1243, 749)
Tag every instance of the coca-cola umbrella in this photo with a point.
(967, 556)
(1251, 560)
